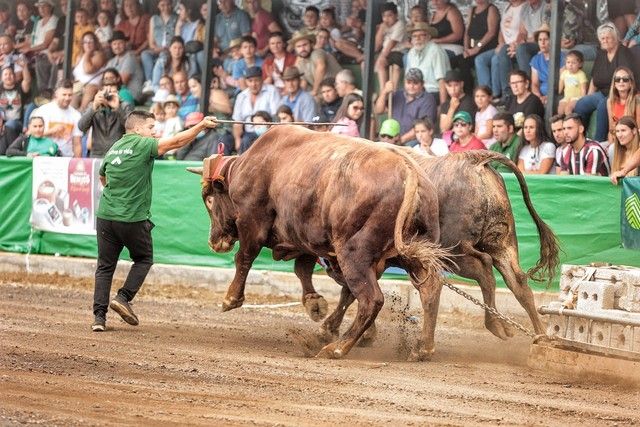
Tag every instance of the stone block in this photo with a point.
(600, 333)
(593, 296)
(621, 337)
(557, 326)
(578, 329)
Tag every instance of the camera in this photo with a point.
(108, 97)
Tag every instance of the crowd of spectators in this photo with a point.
(445, 81)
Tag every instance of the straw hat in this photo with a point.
(302, 35)
(422, 26)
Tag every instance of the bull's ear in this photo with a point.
(219, 185)
(197, 171)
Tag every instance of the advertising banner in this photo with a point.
(65, 194)
(630, 213)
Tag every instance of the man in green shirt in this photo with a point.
(124, 212)
(507, 141)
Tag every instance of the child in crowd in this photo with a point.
(158, 110)
(259, 128)
(34, 143)
(161, 121)
(284, 114)
(427, 144)
(82, 25)
(484, 115)
(195, 87)
(350, 114)
(173, 124)
(166, 83)
(104, 31)
(463, 137)
(573, 82)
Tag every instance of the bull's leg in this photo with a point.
(314, 303)
(516, 279)
(244, 260)
(430, 298)
(330, 329)
(478, 266)
(363, 284)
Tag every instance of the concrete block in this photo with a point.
(594, 296)
(629, 299)
(600, 333)
(621, 337)
(557, 326)
(578, 329)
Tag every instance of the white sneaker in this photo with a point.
(147, 89)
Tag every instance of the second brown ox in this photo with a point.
(306, 194)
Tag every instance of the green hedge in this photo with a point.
(583, 211)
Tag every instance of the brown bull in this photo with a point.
(306, 194)
(476, 222)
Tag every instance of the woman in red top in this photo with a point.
(464, 139)
(135, 25)
(623, 100)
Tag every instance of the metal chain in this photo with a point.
(491, 310)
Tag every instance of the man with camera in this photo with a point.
(106, 116)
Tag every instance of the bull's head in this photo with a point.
(215, 194)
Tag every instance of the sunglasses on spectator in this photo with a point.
(386, 136)
(460, 124)
(625, 79)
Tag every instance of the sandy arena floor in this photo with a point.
(189, 364)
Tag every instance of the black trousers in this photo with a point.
(113, 236)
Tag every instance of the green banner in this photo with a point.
(583, 212)
(630, 213)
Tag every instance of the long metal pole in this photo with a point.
(557, 8)
(68, 40)
(367, 72)
(206, 67)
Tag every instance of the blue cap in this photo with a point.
(252, 72)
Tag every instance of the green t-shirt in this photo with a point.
(510, 150)
(43, 146)
(128, 166)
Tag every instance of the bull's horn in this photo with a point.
(197, 171)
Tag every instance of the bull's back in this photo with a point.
(323, 185)
(472, 198)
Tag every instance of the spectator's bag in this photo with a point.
(193, 46)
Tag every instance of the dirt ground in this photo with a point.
(189, 364)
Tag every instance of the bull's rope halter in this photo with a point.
(213, 165)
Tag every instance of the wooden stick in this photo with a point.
(390, 99)
(237, 122)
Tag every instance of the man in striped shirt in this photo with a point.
(582, 156)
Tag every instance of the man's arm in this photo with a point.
(320, 66)
(238, 130)
(183, 138)
(76, 143)
(381, 101)
(86, 119)
(26, 76)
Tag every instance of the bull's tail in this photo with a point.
(547, 264)
(427, 256)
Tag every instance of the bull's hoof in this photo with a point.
(420, 355)
(330, 351)
(231, 303)
(316, 306)
(499, 328)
